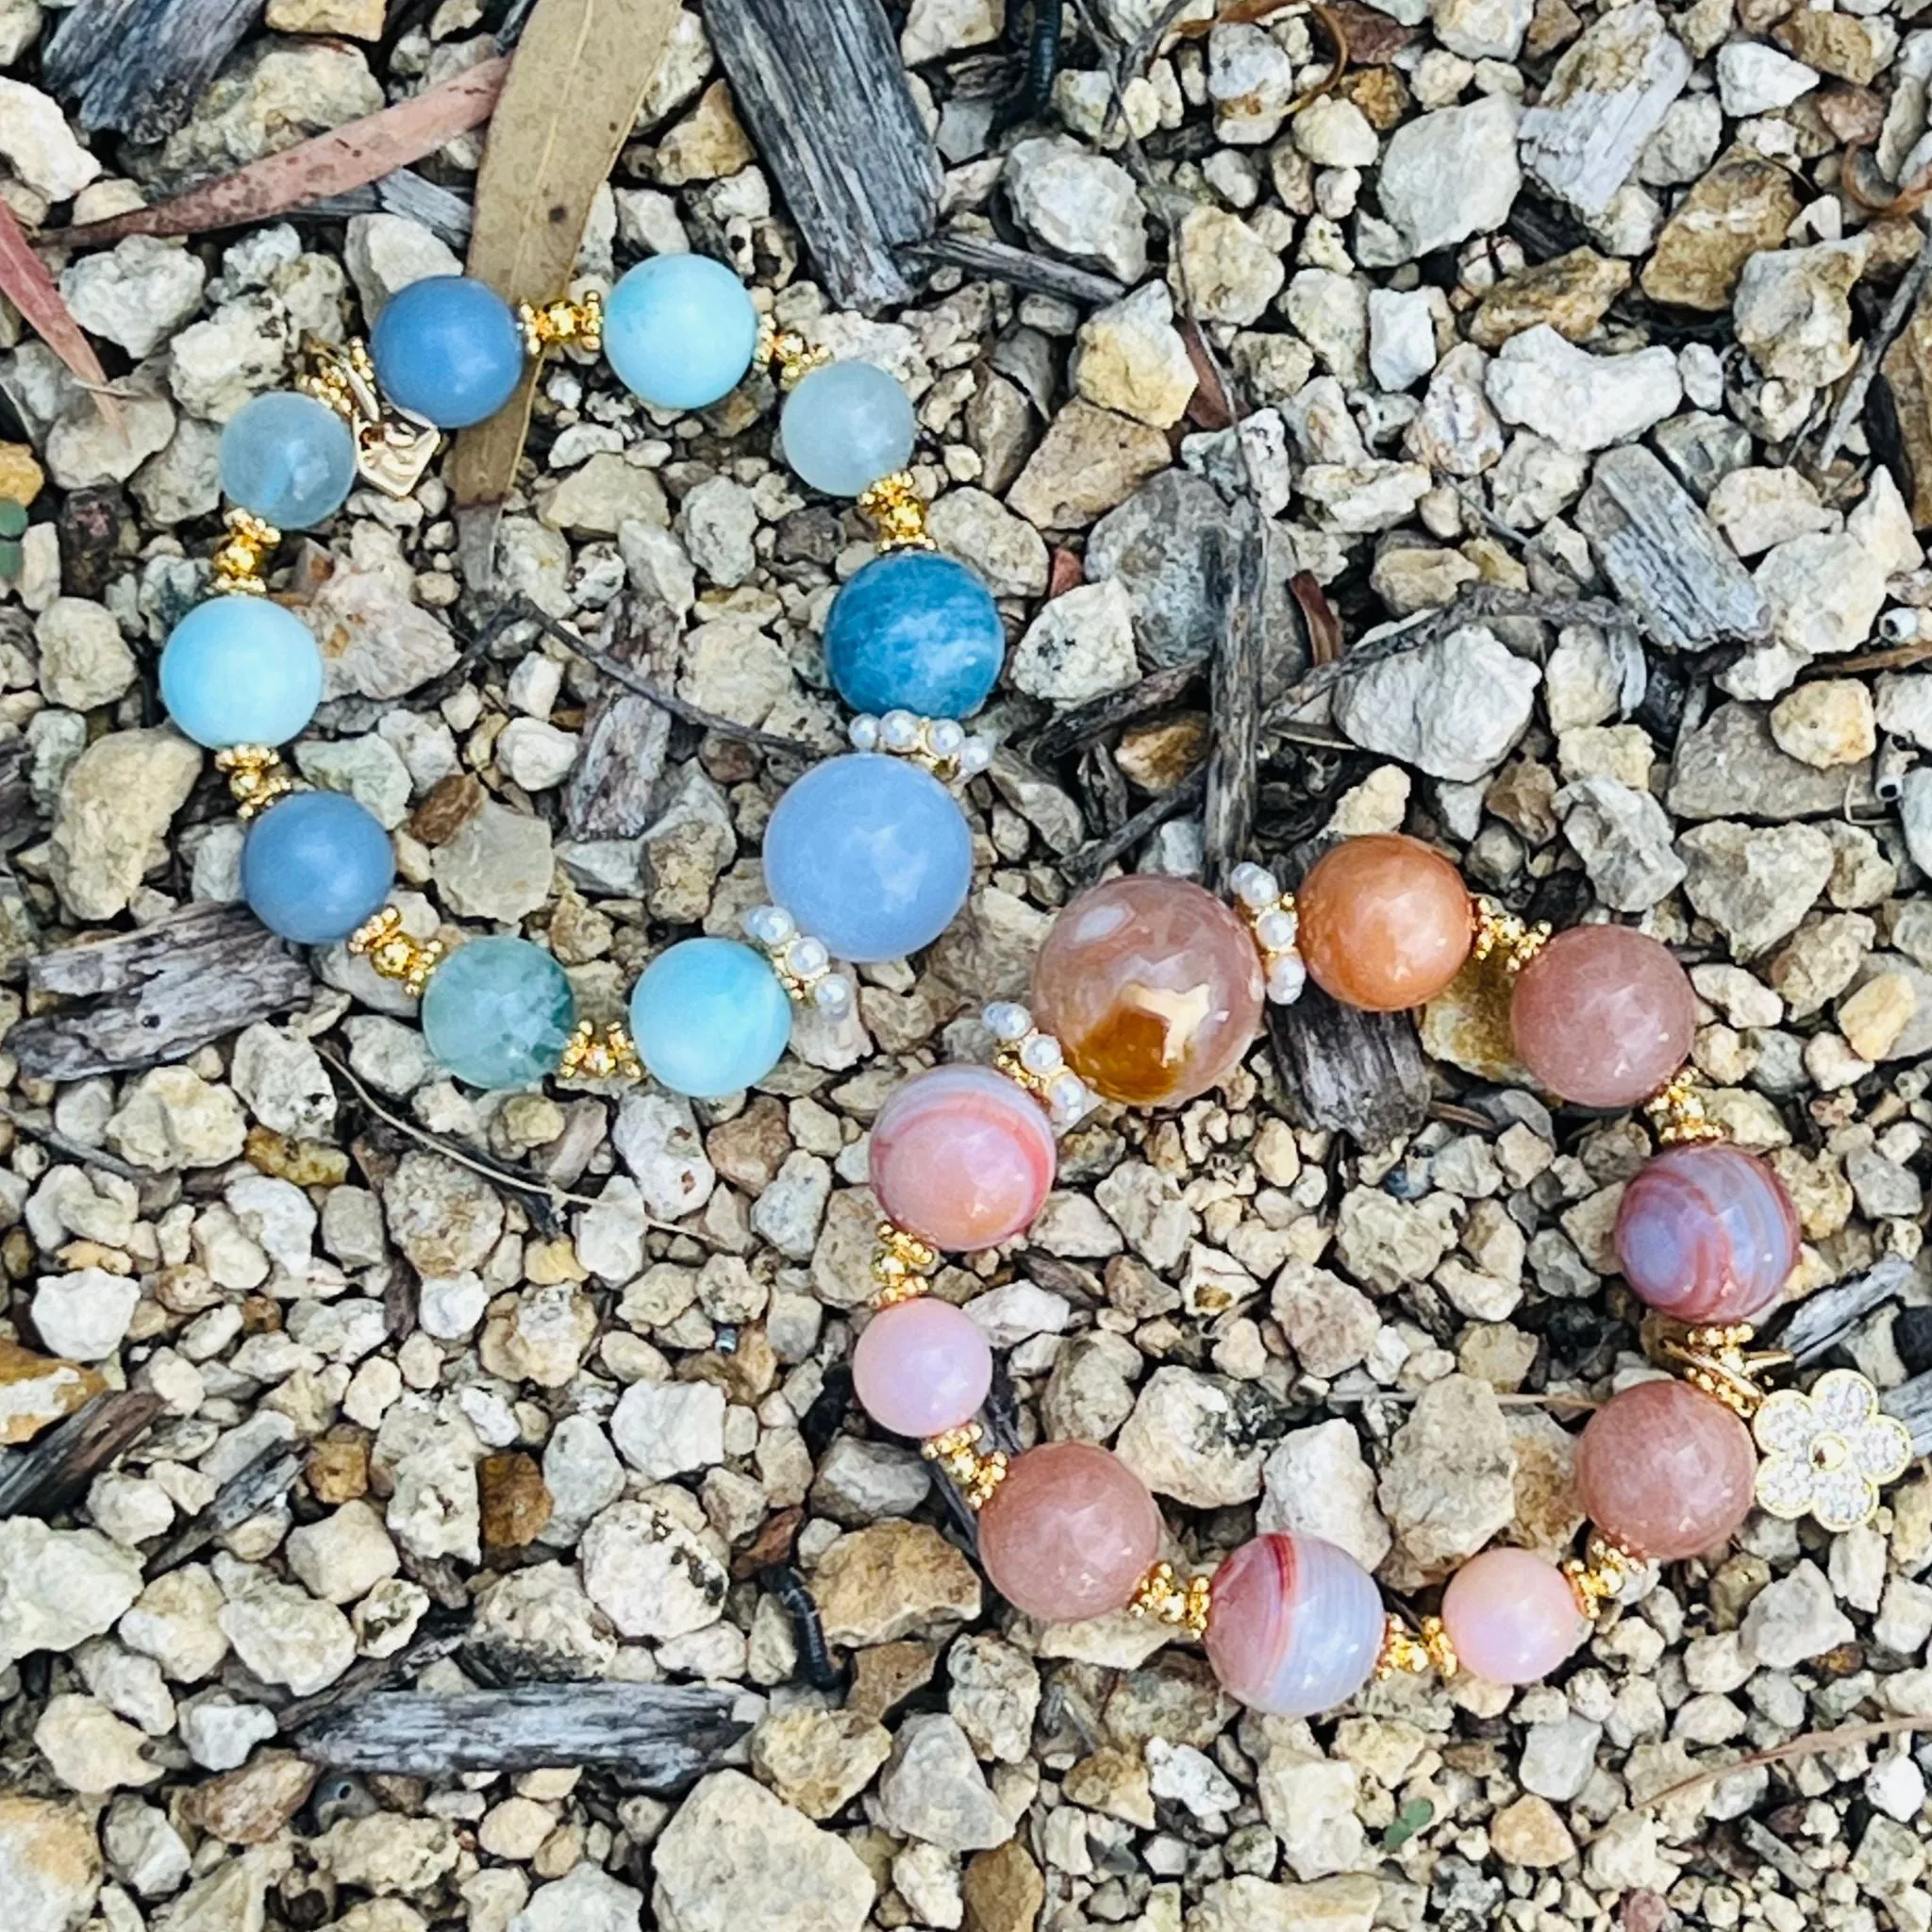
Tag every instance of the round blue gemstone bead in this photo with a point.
(870, 855)
(709, 1018)
(680, 331)
(498, 1012)
(915, 631)
(316, 867)
(289, 458)
(241, 671)
(847, 426)
(447, 349)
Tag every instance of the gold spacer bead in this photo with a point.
(1415, 1653)
(977, 1473)
(256, 777)
(396, 954)
(1501, 933)
(895, 507)
(1163, 1595)
(563, 324)
(1718, 1360)
(793, 357)
(901, 1264)
(1600, 1573)
(1677, 1111)
(238, 560)
(591, 1054)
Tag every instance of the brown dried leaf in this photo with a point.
(26, 284)
(581, 70)
(1324, 627)
(1208, 407)
(345, 157)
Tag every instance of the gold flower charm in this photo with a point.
(1827, 1454)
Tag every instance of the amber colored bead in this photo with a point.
(1384, 922)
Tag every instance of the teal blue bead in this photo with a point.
(680, 331)
(316, 867)
(288, 458)
(914, 631)
(447, 349)
(870, 855)
(498, 1012)
(709, 1018)
(241, 671)
(847, 426)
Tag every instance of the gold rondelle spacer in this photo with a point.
(1718, 1360)
(238, 561)
(1161, 1595)
(256, 777)
(901, 1264)
(1600, 1573)
(396, 954)
(976, 1472)
(793, 357)
(1500, 932)
(1415, 1653)
(563, 324)
(898, 511)
(1676, 1111)
(591, 1054)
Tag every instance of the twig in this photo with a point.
(1810, 1745)
(1091, 860)
(1073, 728)
(1905, 299)
(75, 1150)
(247, 1493)
(46, 1476)
(1236, 559)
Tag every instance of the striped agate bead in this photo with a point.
(1296, 1625)
(1707, 1233)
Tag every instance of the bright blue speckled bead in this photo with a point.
(870, 855)
(316, 867)
(680, 330)
(288, 458)
(498, 1012)
(847, 426)
(709, 1018)
(241, 671)
(447, 349)
(914, 631)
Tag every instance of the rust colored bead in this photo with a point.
(1384, 922)
(1666, 1470)
(1603, 1015)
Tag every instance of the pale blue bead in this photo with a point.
(709, 1018)
(241, 671)
(447, 349)
(870, 855)
(914, 631)
(679, 330)
(498, 1012)
(847, 426)
(288, 458)
(315, 867)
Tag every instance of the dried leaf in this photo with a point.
(581, 70)
(345, 157)
(26, 284)
(1324, 627)
(1208, 407)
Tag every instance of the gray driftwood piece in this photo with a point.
(141, 65)
(821, 89)
(1911, 1403)
(1823, 1320)
(56, 1469)
(404, 192)
(663, 1735)
(1658, 549)
(1235, 563)
(246, 1493)
(1020, 267)
(157, 994)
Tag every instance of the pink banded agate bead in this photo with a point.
(1665, 1470)
(1296, 1625)
(1068, 1533)
(921, 1368)
(962, 1157)
(1707, 1233)
(1511, 1616)
(1603, 1015)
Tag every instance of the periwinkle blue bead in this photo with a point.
(447, 349)
(315, 867)
(288, 458)
(680, 331)
(870, 855)
(241, 671)
(847, 426)
(709, 1017)
(498, 1012)
(915, 631)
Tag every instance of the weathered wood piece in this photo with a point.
(1356, 1073)
(55, 1468)
(1000, 261)
(141, 65)
(246, 1493)
(1076, 725)
(1823, 1320)
(404, 192)
(18, 821)
(1661, 552)
(612, 791)
(437, 1636)
(821, 88)
(157, 994)
(1235, 561)
(1911, 1403)
(664, 1736)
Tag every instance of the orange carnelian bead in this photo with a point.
(1384, 922)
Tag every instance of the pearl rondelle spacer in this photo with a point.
(833, 994)
(807, 956)
(1254, 885)
(976, 755)
(863, 732)
(770, 926)
(899, 731)
(945, 737)
(1042, 1055)
(1008, 1020)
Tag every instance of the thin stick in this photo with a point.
(1905, 299)
(75, 1150)
(1812, 1745)
(1091, 860)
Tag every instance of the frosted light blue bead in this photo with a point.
(241, 671)
(447, 349)
(709, 1017)
(847, 426)
(680, 330)
(870, 855)
(498, 1012)
(914, 631)
(289, 458)
(315, 867)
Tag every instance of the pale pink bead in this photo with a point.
(1666, 1470)
(921, 1366)
(1603, 1015)
(963, 1157)
(1511, 1616)
(1068, 1533)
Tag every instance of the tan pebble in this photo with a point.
(1874, 1016)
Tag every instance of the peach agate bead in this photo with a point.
(1665, 1470)
(1603, 1015)
(1068, 1533)
(1513, 1617)
(1384, 922)
(1152, 987)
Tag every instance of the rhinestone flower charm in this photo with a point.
(1827, 1454)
